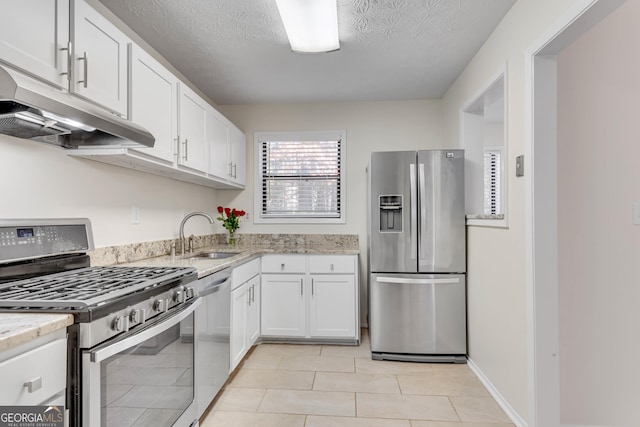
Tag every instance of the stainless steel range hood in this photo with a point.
(34, 110)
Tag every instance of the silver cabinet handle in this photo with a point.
(185, 157)
(34, 384)
(253, 293)
(234, 170)
(301, 286)
(69, 61)
(84, 58)
(311, 287)
(282, 266)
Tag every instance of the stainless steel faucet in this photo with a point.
(206, 215)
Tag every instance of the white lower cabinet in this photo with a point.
(312, 300)
(37, 375)
(331, 313)
(283, 305)
(245, 310)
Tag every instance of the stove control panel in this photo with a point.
(26, 239)
(128, 318)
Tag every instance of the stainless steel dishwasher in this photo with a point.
(213, 320)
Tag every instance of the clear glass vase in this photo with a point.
(232, 238)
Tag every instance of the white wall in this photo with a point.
(497, 298)
(370, 126)
(599, 247)
(40, 181)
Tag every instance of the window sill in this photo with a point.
(485, 216)
(487, 220)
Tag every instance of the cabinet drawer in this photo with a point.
(338, 264)
(244, 272)
(46, 366)
(284, 264)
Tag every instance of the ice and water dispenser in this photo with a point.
(390, 213)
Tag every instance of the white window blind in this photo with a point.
(492, 179)
(301, 179)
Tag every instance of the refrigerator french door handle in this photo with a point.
(414, 215)
(406, 280)
(422, 230)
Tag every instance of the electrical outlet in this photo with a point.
(246, 215)
(135, 215)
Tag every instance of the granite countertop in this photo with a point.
(206, 266)
(19, 328)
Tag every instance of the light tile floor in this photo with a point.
(290, 385)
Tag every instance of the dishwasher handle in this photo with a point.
(215, 285)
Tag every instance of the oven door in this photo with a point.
(143, 379)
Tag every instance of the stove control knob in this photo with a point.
(117, 324)
(160, 305)
(179, 296)
(189, 292)
(137, 315)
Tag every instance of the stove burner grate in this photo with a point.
(85, 287)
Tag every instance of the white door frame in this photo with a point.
(542, 207)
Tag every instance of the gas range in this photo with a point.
(44, 268)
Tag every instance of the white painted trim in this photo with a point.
(259, 137)
(506, 407)
(541, 209)
(501, 73)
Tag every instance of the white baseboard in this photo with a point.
(506, 407)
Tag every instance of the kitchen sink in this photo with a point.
(212, 255)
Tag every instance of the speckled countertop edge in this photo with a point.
(20, 328)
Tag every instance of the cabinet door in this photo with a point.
(283, 305)
(154, 103)
(239, 343)
(237, 148)
(217, 135)
(34, 36)
(192, 130)
(333, 306)
(100, 59)
(253, 319)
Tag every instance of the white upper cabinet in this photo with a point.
(34, 37)
(154, 103)
(237, 149)
(99, 59)
(217, 136)
(192, 130)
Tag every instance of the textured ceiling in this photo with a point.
(236, 51)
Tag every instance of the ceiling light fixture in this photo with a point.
(311, 25)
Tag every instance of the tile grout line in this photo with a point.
(454, 408)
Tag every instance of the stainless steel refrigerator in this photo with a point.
(417, 255)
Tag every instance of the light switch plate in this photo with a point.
(135, 215)
(520, 165)
(636, 214)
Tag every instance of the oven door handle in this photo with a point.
(160, 326)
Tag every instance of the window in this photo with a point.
(299, 177)
(492, 180)
(483, 136)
